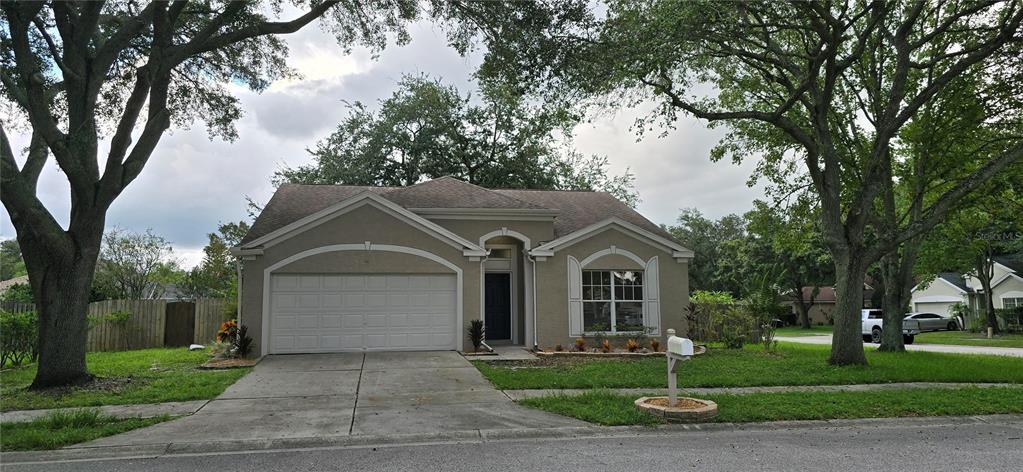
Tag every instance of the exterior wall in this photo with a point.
(820, 312)
(1011, 287)
(938, 287)
(363, 224)
(937, 297)
(552, 283)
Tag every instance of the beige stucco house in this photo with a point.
(344, 268)
(948, 288)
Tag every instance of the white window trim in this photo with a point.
(651, 290)
(367, 246)
(614, 302)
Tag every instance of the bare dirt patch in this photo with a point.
(228, 363)
(98, 384)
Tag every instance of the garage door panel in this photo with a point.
(321, 313)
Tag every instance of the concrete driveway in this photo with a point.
(322, 395)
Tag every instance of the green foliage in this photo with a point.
(788, 364)
(611, 409)
(707, 297)
(706, 238)
(131, 264)
(216, 276)
(476, 331)
(11, 263)
(142, 376)
(427, 129)
(62, 428)
(735, 325)
(19, 338)
(242, 344)
(20, 293)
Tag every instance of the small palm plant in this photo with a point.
(476, 331)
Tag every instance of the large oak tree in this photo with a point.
(100, 82)
(818, 92)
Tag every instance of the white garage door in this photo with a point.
(327, 313)
(941, 308)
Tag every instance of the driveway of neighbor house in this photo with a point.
(997, 351)
(323, 395)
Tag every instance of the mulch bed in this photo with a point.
(228, 363)
(683, 403)
(98, 384)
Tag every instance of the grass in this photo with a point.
(610, 409)
(62, 428)
(966, 338)
(126, 377)
(796, 331)
(790, 364)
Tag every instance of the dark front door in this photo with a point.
(498, 305)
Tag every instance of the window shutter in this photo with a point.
(575, 297)
(652, 290)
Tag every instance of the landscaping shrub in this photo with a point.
(655, 345)
(228, 331)
(242, 344)
(631, 345)
(735, 326)
(19, 337)
(580, 344)
(476, 331)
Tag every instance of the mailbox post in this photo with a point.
(679, 350)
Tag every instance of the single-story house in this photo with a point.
(824, 303)
(948, 288)
(347, 268)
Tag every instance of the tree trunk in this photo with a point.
(847, 340)
(803, 308)
(891, 304)
(61, 281)
(985, 271)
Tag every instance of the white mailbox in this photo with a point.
(679, 350)
(680, 346)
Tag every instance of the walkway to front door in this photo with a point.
(497, 313)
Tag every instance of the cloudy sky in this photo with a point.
(191, 183)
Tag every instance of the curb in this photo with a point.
(150, 451)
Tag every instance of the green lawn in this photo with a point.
(59, 429)
(607, 408)
(795, 331)
(966, 338)
(791, 364)
(127, 377)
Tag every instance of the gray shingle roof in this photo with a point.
(1012, 261)
(955, 279)
(581, 209)
(576, 209)
(449, 192)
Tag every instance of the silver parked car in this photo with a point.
(933, 322)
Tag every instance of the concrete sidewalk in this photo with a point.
(145, 410)
(523, 394)
(946, 348)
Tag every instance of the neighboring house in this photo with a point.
(948, 288)
(346, 268)
(824, 303)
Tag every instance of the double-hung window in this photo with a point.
(1014, 302)
(612, 301)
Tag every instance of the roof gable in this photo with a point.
(364, 198)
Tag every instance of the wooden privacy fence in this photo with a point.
(117, 325)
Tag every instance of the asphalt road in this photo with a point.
(901, 445)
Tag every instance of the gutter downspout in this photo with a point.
(238, 301)
(483, 312)
(532, 264)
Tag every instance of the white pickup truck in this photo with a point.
(872, 325)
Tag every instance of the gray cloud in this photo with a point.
(192, 183)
